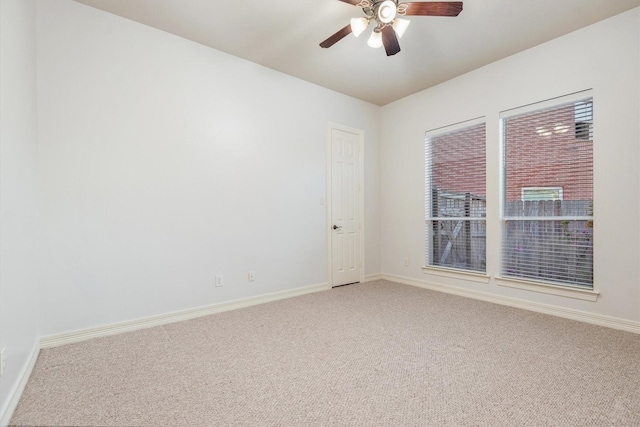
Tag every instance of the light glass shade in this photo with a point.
(387, 11)
(358, 25)
(375, 40)
(400, 26)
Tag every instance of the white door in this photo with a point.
(345, 207)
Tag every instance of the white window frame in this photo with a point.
(584, 293)
(443, 271)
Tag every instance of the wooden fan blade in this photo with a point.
(434, 8)
(339, 35)
(353, 2)
(390, 41)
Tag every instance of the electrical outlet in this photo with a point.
(219, 280)
(406, 262)
(251, 276)
(2, 361)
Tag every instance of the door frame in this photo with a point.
(328, 191)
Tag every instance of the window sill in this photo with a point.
(583, 294)
(456, 274)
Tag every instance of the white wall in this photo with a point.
(18, 192)
(165, 162)
(605, 57)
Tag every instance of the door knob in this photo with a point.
(335, 227)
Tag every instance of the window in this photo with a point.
(548, 192)
(455, 199)
(584, 119)
(541, 193)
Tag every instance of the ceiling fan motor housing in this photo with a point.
(385, 11)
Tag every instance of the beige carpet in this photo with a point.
(377, 354)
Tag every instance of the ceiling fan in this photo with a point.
(389, 27)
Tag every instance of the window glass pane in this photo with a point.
(455, 207)
(458, 244)
(554, 251)
(541, 151)
(548, 194)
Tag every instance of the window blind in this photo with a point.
(455, 199)
(548, 193)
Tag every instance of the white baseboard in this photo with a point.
(15, 394)
(567, 313)
(163, 319)
(372, 277)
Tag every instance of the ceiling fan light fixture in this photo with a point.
(387, 11)
(400, 26)
(375, 41)
(388, 24)
(358, 25)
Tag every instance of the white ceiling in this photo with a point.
(284, 35)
